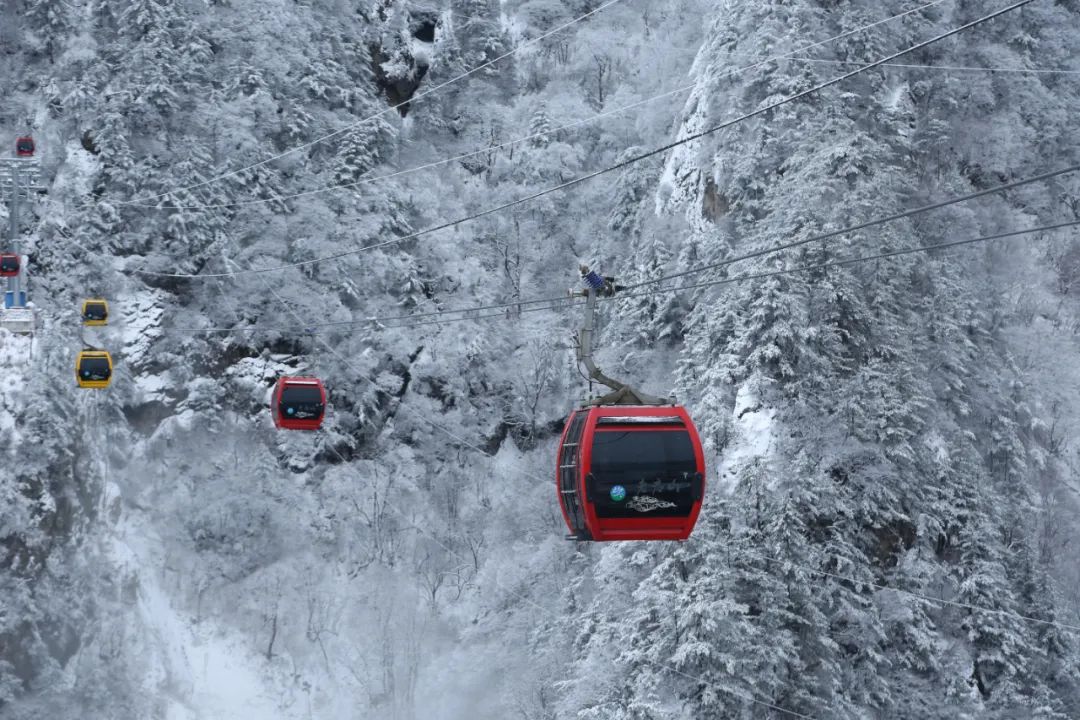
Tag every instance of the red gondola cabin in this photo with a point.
(299, 403)
(9, 264)
(630, 472)
(24, 146)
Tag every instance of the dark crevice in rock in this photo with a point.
(424, 29)
(398, 90)
(146, 417)
(714, 204)
(88, 143)
(494, 442)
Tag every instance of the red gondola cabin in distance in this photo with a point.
(9, 264)
(298, 403)
(24, 146)
(630, 472)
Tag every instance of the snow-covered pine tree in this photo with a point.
(837, 351)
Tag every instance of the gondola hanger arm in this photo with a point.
(621, 393)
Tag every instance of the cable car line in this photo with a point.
(944, 245)
(546, 133)
(437, 163)
(763, 275)
(310, 329)
(781, 562)
(625, 163)
(564, 299)
(506, 315)
(861, 259)
(466, 443)
(358, 123)
(376, 320)
(344, 359)
(1026, 71)
(857, 582)
(801, 268)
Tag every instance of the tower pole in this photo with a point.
(18, 177)
(14, 283)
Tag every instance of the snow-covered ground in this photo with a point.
(16, 363)
(201, 671)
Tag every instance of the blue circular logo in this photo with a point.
(290, 411)
(618, 493)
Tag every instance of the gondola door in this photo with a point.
(569, 475)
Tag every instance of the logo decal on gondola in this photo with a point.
(647, 503)
(618, 493)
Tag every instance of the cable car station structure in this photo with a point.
(18, 179)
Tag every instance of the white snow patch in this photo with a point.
(679, 179)
(752, 437)
(421, 52)
(937, 443)
(142, 315)
(512, 25)
(256, 375)
(152, 387)
(201, 672)
(896, 96)
(74, 178)
(15, 361)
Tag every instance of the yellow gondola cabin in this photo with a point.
(95, 312)
(93, 369)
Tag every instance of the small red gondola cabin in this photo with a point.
(9, 264)
(630, 472)
(299, 403)
(24, 146)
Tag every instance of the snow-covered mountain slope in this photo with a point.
(893, 492)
